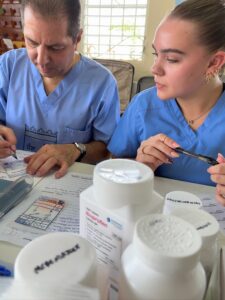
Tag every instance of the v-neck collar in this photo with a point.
(210, 119)
(63, 85)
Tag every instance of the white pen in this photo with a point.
(13, 151)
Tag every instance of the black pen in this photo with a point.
(13, 151)
(207, 159)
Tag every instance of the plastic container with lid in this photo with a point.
(122, 192)
(162, 263)
(60, 259)
(177, 199)
(208, 228)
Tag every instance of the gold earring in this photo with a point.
(211, 75)
(208, 77)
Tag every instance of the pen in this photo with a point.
(207, 159)
(5, 272)
(14, 152)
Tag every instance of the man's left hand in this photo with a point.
(49, 156)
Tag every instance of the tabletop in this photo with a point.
(8, 251)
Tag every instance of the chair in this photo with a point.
(124, 73)
(145, 83)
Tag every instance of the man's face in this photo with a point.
(48, 45)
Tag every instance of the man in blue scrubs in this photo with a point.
(54, 101)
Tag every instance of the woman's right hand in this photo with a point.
(7, 141)
(157, 150)
(217, 175)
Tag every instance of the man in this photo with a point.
(54, 101)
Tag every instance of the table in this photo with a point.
(8, 252)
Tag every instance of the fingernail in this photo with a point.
(175, 145)
(30, 172)
(174, 154)
(8, 152)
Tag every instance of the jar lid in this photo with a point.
(206, 224)
(167, 243)
(120, 182)
(176, 199)
(57, 257)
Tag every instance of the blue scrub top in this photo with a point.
(83, 107)
(147, 115)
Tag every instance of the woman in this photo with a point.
(186, 108)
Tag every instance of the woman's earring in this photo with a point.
(207, 78)
(211, 75)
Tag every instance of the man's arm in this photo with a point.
(96, 151)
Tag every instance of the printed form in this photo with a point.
(214, 208)
(52, 205)
(12, 168)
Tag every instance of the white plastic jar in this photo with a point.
(121, 193)
(56, 259)
(208, 229)
(162, 263)
(177, 199)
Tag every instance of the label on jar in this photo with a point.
(105, 232)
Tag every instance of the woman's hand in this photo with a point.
(157, 150)
(218, 176)
(49, 156)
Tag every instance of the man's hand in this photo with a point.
(157, 150)
(217, 173)
(49, 156)
(63, 156)
(7, 142)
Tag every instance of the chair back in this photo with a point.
(124, 73)
(145, 83)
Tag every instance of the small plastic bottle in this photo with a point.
(208, 228)
(162, 263)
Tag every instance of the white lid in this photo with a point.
(176, 199)
(57, 257)
(167, 243)
(120, 182)
(206, 224)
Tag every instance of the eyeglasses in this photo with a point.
(207, 159)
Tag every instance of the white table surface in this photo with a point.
(8, 252)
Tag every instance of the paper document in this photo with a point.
(12, 168)
(66, 218)
(211, 205)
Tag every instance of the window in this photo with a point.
(114, 29)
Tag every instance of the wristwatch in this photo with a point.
(82, 149)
